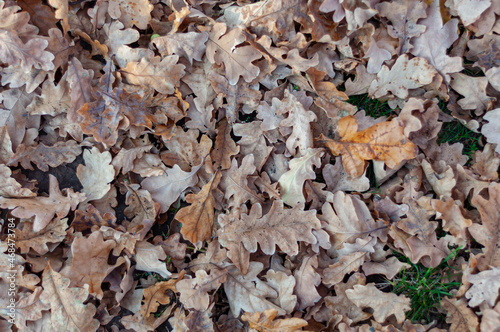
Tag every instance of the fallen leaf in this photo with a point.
(265, 321)
(97, 173)
(383, 141)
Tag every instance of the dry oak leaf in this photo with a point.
(249, 293)
(340, 304)
(307, 279)
(335, 273)
(54, 232)
(222, 48)
(53, 100)
(488, 233)
(43, 156)
(14, 52)
(190, 45)
(9, 187)
(299, 119)
(80, 272)
(383, 141)
(131, 12)
(265, 322)
(166, 188)
(140, 205)
(347, 218)
(474, 91)
(234, 183)
(149, 258)
(403, 16)
(44, 208)
(68, 313)
(453, 220)
(468, 11)
(433, 44)
(390, 267)
(253, 142)
(224, 146)
(198, 218)
(383, 304)
(491, 129)
(284, 284)
(485, 287)
(194, 292)
(79, 80)
(404, 75)
(159, 293)
(28, 308)
(301, 169)
(97, 173)
(162, 75)
(124, 159)
(279, 227)
(459, 315)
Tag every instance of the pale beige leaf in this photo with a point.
(474, 91)
(54, 232)
(307, 279)
(249, 293)
(97, 173)
(404, 74)
(335, 273)
(190, 45)
(44, 208)
(486, 285)
(68, 313)
(284, 285)
(9, 187)
(165, 189)
(461, 317)
(300, 169)
(149, 258)
(131, 12)
(194, 292)
(383, 304)
(491, 129)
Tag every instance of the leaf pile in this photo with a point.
(220, 180)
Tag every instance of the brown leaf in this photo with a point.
(10, 187)
(222, 48)
(149, 258)
(474, 91)
(194, 292)
(383, 304)
(198, 218)
(224, 146)
(307, 279)
(404, 74)
(461, 317)
(265, 321)
(383, 141)
(43, 156)
(68, 313)
(54, 232)
(190, 45)
(159, 294)
(44, 208)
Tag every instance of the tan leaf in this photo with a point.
(165, 189)
(97, 173)
(441, 37)
(13, 115)
(162, 75)
(43, 156)
(124, 159)
(79, 80)
(249, 293)
(461, 317)
(159, 293)
(68, 313)
(383, 304)
(404, 16)
(335, 273)
(234, 183)
(307, 279)
(200, 321)
(198, 218)
(190, 45)
(28, 308)
(301, 169)
(486, 285)
(390, 267)
(53, 99)
(194, 292)
(15, 52)
(80, 272)
(44, 208)
(453, 218)
(341, 304)
(92, 217)
(265, 322)
(474, 91)
(10, 187)
(486, 162)
(149, 258)
(54, 232)
(140, 205)
(404, 74)
(284, 284)
(299, 119)
(347, 218)
(131, 12)
(383, 141)
(279, 227)
(337, 179)
(222, 48)
(224, 146)
(488, 233)
(253, 142)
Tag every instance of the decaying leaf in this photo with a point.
(383, 141)
(97, 173)
(265, 321)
